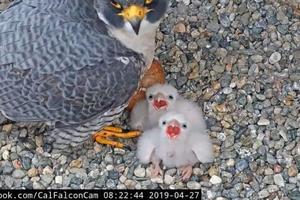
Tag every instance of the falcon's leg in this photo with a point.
(103, 136)
(186, 172)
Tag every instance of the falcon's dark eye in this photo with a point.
(184, 126)
(116, 4)
(164, 123)
(171, 97)
(150, 96)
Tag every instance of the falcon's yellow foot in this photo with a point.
(103, 136)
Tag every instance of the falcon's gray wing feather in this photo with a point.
(58, 64)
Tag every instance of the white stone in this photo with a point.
(140, 172)
(232, 85)
(187, 2)
(157, 179)
(197, 171)
(109, 167)
(5, 155)
(275, 58)
(227, 90)
(278, 180)
(263, 122)
(119, 151)
(6, 147)
(169, 180)
(283, 135)
(230, 162)
(59, 180)
(193, 185)
(121, 187)
(215, 180)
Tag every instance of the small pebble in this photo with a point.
(275, 58)
(5, 155)
(32, 172)
(263, 122)
(109, 167)
(18, 174)
(293, 171)
(37, 186)
(241, 165)
(230, 162)
(7, 128)
(140, 172)
(278, 180)
(59, 180)
(169, 180)
(193, 185)
(47, 170)
(180, 28)
(213, 171)
(263, 194)
(215, 180)
(76, 164)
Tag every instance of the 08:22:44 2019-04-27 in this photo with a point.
(153, 194)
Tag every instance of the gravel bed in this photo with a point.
(240, 60)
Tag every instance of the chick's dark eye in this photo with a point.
(150, 96)
(116, 4)
(184, 126)
(164, 123)
(171, 97)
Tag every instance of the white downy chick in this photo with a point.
(160, 98)
(178, 141)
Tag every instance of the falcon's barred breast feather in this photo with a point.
(61, 63)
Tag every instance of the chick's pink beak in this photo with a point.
(159, 102)
(173, 129)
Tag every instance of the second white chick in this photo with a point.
(178, 141)
(160, 98)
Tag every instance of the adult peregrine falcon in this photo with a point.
(74, 63)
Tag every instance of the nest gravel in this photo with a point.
(240, 60)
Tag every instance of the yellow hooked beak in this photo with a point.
(134, 14)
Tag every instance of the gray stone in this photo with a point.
(18, 174)
(241, 165)
(219, 68)
(9, 181)
(257, 58)
(263, 194)
(224, 19)
(46, 179)
(38, 186)
(110, 184)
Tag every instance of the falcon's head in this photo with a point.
(131, 15)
